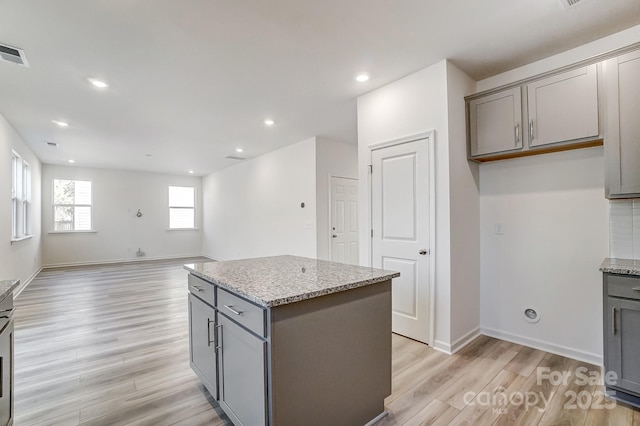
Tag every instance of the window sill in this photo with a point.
(91, 231)
(183, 229)
(26, 237)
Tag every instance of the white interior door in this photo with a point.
(344, 220)
(400, 220)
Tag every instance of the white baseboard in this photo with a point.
(460, 343)
(216, 259)
(544, 346)
(26, 282)
(114, 261)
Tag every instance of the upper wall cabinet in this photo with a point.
(495, 123)
(554, 113)
(564, 107)
(622, 131)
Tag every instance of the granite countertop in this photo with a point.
(279, 280)
(7, 286)
(621, 266)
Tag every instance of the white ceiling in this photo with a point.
(191, 80)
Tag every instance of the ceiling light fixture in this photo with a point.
(239, 149)
(191, 172)
(99, 83)
(72, 161)
(362, 77)
(60, 123)
(269, 122)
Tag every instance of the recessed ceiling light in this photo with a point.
(60, 123)
(269, 122)
(99, 83)
(239, 149)
(362, 77)
(191, 172)
(72, 161)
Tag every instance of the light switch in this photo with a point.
(308, 225)
(499, 228)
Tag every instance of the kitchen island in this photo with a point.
(288, 340)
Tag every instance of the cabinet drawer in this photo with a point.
(242, 311)
(621, 286)
(202, 289)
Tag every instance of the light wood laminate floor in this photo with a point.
(108, 345)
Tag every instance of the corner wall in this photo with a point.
(117, 196)
(332, 159)
(20, 259)
(253, 209)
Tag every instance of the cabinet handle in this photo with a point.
(531, 130)
(209, 333)
(219, 344)
(517, 133)
(613, 321)
(636, 289)
(8, 314)
(233, 310)
(1, 376)
(197, 288)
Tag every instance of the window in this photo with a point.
(71, 205)
(20, 198)
(182, 207)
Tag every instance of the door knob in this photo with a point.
(334, 236)
(422, 252)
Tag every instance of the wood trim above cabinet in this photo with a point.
(546, 150)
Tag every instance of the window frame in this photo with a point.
(20, 198)
(54, 205)
(194, 208)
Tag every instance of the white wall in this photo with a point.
(415, 104)
(554, 216)
(117, 196)
(253, 209)
(556, 234)
(332, 159)
(21, 259)
(465, 214)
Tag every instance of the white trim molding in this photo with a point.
(26, 282)
(114, 261)
(579, 355)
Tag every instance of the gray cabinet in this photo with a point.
(622, 335)
(546, 114)
(6, 373)
(202, 344)
(622, 132)
(495, 123)
(563, 107)
(243, 384)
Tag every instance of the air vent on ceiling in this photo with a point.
(53, 145)
(570, 3)
(235, 157)
(13, 55)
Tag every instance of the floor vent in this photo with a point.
(570, 3)
(235, 157)
(13, 55)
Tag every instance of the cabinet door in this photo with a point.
(495, 123)
(6, 375)
(622, 133)
(242, 374)
(202, 348)
(623, 342)
(564, 107)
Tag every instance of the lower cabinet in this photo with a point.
(622, 335)
(243, 384)
(6, 374)
(202, 345)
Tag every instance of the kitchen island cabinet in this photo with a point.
(296, 339)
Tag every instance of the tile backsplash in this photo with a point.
(624, 229)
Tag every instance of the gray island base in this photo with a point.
(309, 343)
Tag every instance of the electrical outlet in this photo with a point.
(498, 228)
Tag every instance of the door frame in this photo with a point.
(429, 138)
(330, 216)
